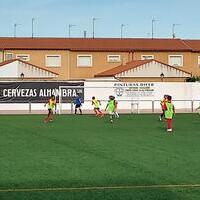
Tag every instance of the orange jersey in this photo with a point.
(162, 103)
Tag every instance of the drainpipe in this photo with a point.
(132, 53)
(129, 55)
(3, 55)
(68, 63)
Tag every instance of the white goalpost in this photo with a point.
(68, 93)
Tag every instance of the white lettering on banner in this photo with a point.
(68, 92)
(55, 92)
(42, 92)
(134, 89)
(19, 93)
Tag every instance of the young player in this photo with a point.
(111, 108)
(96, 103)
(78, 104)
(169, 113)
(51, 104)
(115, 109)
(162, 103)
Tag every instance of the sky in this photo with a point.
(52, 18)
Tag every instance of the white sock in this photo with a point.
(116, 115)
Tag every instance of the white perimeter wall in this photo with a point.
(101, 90)
(179, 91)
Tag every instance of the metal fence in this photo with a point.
(124, 106)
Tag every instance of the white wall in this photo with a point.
(101, 90)
(153, 69)
(182, 94)
(10, 70)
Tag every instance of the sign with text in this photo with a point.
(134, 89)
(39, 92)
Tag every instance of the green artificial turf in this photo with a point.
(84, 151)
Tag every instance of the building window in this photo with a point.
(175, 60)
(24, 57)
(113, 58)
(147, 57)
(9, 56)
(84, 60)
(53, 60)
(198, 61)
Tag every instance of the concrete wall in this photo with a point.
(149, 95)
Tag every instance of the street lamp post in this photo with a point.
(122, 28)
(162, 77)
(69, 29)
(22, 76)
(15, 29)
(173, 30)
(93, 26)
(152, 27)
(32, 27)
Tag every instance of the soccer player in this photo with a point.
(115, 109)
(169, 113)
(162, 103)
(96, 103)
(78, 104)
(51, 104)
(111, 108)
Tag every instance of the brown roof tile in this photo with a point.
(122, 68)
(194, 44)
(130, 65)
(97, 44)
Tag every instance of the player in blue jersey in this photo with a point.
(78, 104)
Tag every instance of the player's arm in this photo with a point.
(106, 107)
(115, 105)
(46, 103)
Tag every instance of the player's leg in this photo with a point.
(96, 111)
(80, 110)
(169, 125)
(75, 110)
(48, 116)
(51, 115)
(79, 107)
(161, 115)
(111, 115)
(116, 114)
(100, 113)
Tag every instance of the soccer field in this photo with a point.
(83, 157)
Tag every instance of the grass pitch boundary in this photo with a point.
(65, 189)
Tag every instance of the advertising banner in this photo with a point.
(39, 92)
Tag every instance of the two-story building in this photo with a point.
(131, 59)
